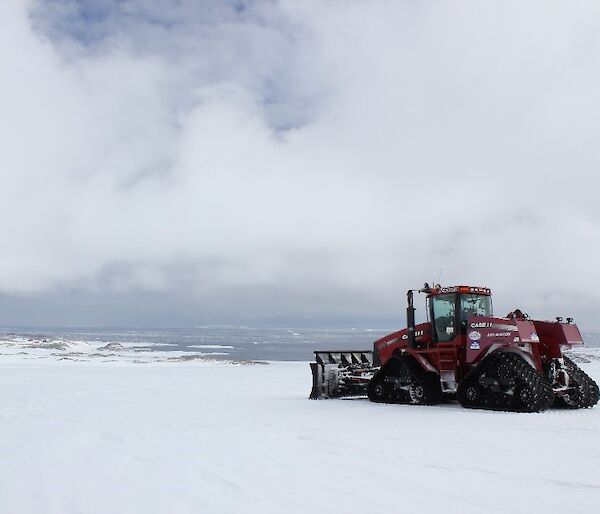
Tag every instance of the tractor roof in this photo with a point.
(437, 289)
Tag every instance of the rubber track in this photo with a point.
(430, 382)
(472, 380)
(381, 390)
(524, 390)
(588, 392)
(405, 370)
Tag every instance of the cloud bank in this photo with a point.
(284, 158)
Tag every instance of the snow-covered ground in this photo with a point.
(127, 433)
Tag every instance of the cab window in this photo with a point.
(443, 307)
(474, 305)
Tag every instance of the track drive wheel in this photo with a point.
(376, 389)
(425, 387)
(469, 396)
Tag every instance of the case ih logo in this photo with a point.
(417, 334)
(481, 324)
(497, 326)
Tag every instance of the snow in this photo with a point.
(97, 435)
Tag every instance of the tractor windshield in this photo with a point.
(474, 304)
(445, 319)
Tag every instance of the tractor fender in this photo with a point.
(511, 349)
(423, 362)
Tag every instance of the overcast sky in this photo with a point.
(295, 162)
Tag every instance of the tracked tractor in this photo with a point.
(463, 351)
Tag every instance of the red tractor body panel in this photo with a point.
(555, 337)
(387, 346)
(484, 334)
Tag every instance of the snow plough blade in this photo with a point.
(341, 373)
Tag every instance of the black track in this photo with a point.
(502, 381)
(403, 380)
(505, 381)
(585, 391)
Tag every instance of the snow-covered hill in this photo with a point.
(28, 348)
(99, 437)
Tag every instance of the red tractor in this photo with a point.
(463, 351)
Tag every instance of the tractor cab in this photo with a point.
(448, 309)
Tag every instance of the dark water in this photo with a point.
(277, 344)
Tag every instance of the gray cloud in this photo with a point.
(300, 158)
